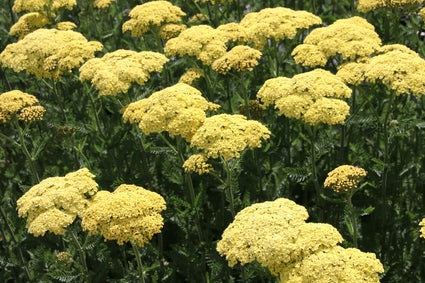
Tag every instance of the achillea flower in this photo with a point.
(29, 23)
(41, 5)
(102, 4)
(169, 31)
(228, 135)
(334, 265)
(204, 42)
(422, 223)
(276, 23)
(116, 71)
(66, 26)
(198, 18)
(364, 6)
(64, 258)
(19, 102)
(345, 178)
(49, 53)
(350, 38)
(129, 214)
(178, 110)
(191, 75)
(54, 203)
(154, 13)
(198, 163)
(234, 32)
(308, 96)
(241, 58)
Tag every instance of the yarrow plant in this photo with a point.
(191, 75)
(22, 104)
(29, 23)
(42, 5)
(368, 5)
(240, 58)
(345, 178)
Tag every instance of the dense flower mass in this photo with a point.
(116, 71)
(312, 96)
(276, 23)
(66, 26)
(228, 135)
(169, 31)
(197, 163)
(41, 5)
(191, 75)
(102, 4)
(204, 42)
(154, 13)
(241, 58)
(422, 223)
(54, 203)
(28, 23)
(367, 5)
(21, 103)
(129, 214)
(49, 53)
(234, 32)
(344, 178)
(350, 38)
(178, 110)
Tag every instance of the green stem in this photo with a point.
(317, 187)
(229, 186)
(82, 256)
(353, 220)
(96, 116)
(245, 94)
(139, 262)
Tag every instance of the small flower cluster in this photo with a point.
(345, 178)
(41, 5)
(241, 58)
(191, 75)
(169, 31)
(198, 163)
(422, 223)
(129, 214)
(102, 4)
(22, 104)
(312, 96)
(367, 5)
(54, 203)
(29, 23)
(116, 71)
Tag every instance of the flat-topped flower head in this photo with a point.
(228, 135)
(422, 223)
(149, 14)
(41, 5)
(29, 23)
(116, 71)
(204, 42)
(54, 203)
(349, 38)
(345, 178)
(234, 32)
(198, 163)
(334, 265)
(312, 96)
(276, 23)
(240, 58)
(191, 75)
(22, 104)
(49, 53)
(169, 31)
(102, 4)
(178, 110)
(367, 5)
(129, 214)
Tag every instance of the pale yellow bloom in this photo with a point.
(102, 4)
(32, 113)
(178, 110)
(54, 203)
(228, 135)
(234, 32)
(198, 18)
(154, 13)
(344, 178)
(41, 5)
(16, 101)
(29, 23)
(325, 110)
(116, 71)
(198, 163)
(421, 13)
(169, 31)
(191, 75)
(66, 26)
(241, 58)
(367, 5)
(422, 223)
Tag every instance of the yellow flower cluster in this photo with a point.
(129, 214)
(198, 18)
(335, 265)
(169, 31)
(421, 13)
(204, 42)
(241, 58)
(198, 163)
(12, 102)
(178, 110)
(367, 5)
(191, 75)
(350, 38)
(344, 178)
(154, 13)
(64, 258)
(312, 96)
(55, 202)
(116, 71)
(227, 135)
(29, 23)
(41, 5)
(49, 53)
(234, 32)
(102, 4)
(66, 26)
(422, 223)
(276, 23)
(396, 66)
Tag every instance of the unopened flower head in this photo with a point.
(198, 163)
(178, 110)
(350, 38)
(64, 258)
(41, 5)
(276, 23)
(102, 4)
(116, 71)
(16, 101)
(228, 135)
(49, 53)
(345, 178)
(169, 31)
(29, 23)
(204, 42)
(256, 109)
(240, 58)
(191, 75)
(129, 214)
(55, 202)
(422, 223)
(154, 13)
(367, 5)
(334, 265)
